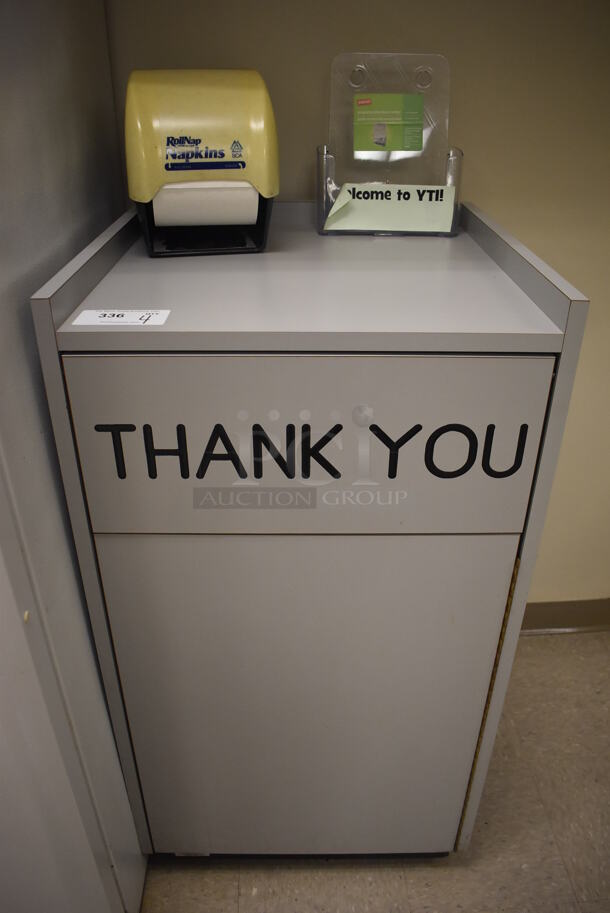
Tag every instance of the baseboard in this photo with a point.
(566, 617)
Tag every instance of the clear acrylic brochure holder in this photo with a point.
(360, 79)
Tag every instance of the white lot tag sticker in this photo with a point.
(121, 318)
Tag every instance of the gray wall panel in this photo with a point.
(61, 185)
(46, 861)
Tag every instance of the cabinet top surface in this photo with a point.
(308, 292)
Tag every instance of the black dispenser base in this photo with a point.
(194, 240)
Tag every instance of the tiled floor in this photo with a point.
(542, 841)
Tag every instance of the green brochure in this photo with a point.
(388, 122)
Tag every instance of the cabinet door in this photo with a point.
(346, 444)
(305, 694)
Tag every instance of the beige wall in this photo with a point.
(531, 109)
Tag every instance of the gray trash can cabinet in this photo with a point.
(306, 491)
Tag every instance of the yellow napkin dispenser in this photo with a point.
(202, 160)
